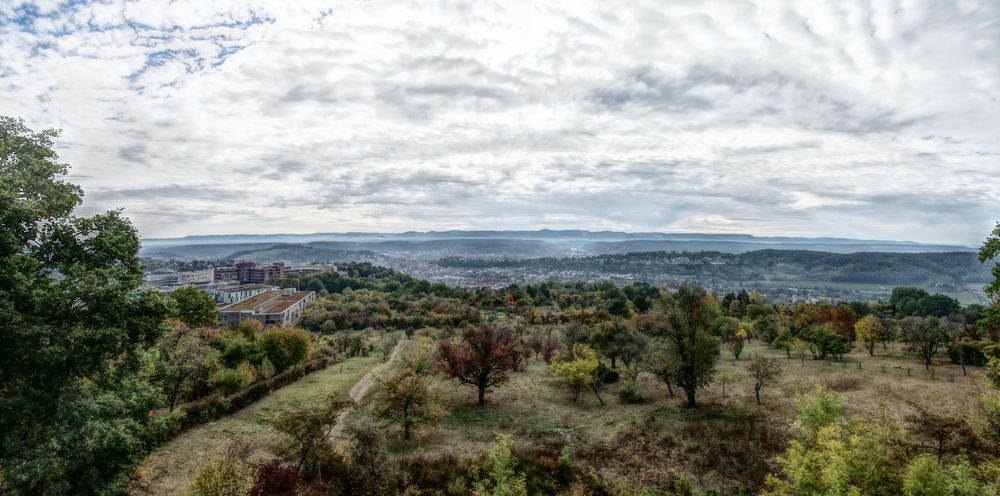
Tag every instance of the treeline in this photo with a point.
(879, 268)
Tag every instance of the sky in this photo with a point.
(876, 120)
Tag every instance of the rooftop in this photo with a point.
(245, 287)
(268, 302)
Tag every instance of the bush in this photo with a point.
(229, 381)
(276, 477)
(631, 393)
(606, 375)
(238, 350)
(968, 352)
(284, 346)
(266, 369)
(230, 473)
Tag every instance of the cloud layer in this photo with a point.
(861, 119)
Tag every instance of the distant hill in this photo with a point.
(517, 244)
(922, 269)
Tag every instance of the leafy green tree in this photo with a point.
(868, 331)
(925, 477)
(691, 350)
(194, 307)
(816, 410)
(823, 341)
(924, 337)
(284, 346)
(498, 474)
(182, 356)
(308, 433)
(405, 399)
(764, 371)
(578, 368)
(73, 408)
(617, 339)
(989, 251)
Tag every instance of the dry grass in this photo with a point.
(726, 441)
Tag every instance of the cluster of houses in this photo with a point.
(241, 291)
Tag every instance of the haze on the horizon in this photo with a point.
(861, 119)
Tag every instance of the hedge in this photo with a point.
(215, 407)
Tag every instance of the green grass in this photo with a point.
(171, 467)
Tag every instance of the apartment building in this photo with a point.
(251, 272)
(227, 295)
(272, 308)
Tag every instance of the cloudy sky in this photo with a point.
(864, 119)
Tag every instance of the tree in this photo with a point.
(735, 344)
(724, 379)
(824, 340)
(183, 356)
(989, 251)
(194, 307)
(764, 371)
(285, 346)
(73, 406)
(405, 399)
(579, 369)
(482, 358)
(308, 433)
(868, 330)
(690, 351)
(924, 337)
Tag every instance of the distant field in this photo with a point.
(646, 442)
(171, 467)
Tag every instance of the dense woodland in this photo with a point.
(95, 375)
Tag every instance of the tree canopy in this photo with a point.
(73, 411)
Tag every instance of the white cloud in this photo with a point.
(867, 119)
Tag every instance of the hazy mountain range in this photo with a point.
(515, 244)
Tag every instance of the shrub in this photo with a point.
(229, 473)
(229, 381)
(284, 346)
(266, 369)
(606, 375)
(631, 393)
(238, 350)
(275, 477)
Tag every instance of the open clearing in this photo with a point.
(646, 442)
(170, 468)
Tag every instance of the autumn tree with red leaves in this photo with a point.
(482, 358)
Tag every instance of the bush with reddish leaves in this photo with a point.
(276, 477)
(549, 350)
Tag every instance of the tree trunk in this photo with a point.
(689, 392)
(613, 362)
(482, 395)
(756, 392)
(598, 394)
(670, 388)
(406, 430)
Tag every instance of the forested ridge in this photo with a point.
(866, 267)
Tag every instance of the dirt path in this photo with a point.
(359, 390)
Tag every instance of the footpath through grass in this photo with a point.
(171, 467)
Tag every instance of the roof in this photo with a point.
(268, 302)
(245, 287)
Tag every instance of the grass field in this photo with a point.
(722, 441)
(170, 468)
